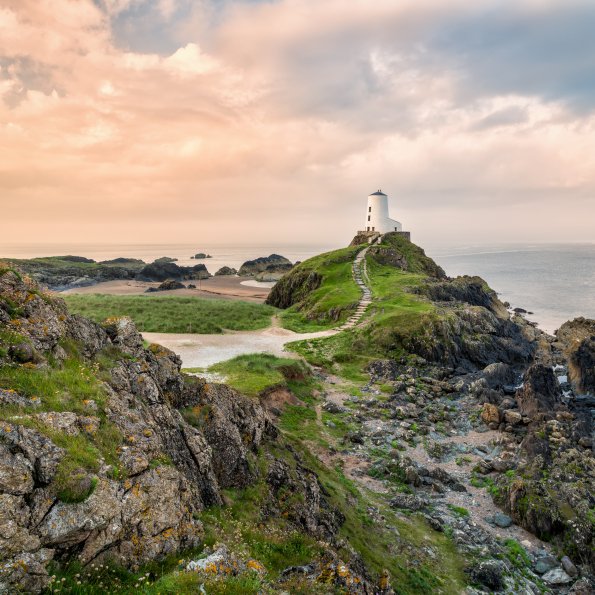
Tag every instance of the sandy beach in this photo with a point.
(215, 288)
(202, 351)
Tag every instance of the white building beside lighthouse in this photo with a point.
(377, 219)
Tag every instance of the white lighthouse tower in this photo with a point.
(377, 219)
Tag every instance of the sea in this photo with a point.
(554, 282)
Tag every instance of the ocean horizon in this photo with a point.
(554, 282)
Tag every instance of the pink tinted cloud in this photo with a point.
(283, 121)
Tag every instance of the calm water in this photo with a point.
(555, 282)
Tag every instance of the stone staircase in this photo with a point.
(360, 275)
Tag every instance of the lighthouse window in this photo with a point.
(369, 209)
(368, 217)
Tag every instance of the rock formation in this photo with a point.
(225, 271)
(111, 469)
(162, 271)
(265, 264)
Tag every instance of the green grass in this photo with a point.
(459, 511)
(174, 314)
(335, 299)
(253, 373)
(397, 318)
(517, 554)
(69, 386)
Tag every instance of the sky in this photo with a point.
(255, 122)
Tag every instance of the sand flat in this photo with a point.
(202, 351)
(215, 287)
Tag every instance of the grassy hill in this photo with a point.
(319, 293)
(416, 310)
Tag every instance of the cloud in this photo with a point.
(270, 119)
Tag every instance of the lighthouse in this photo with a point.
(377, 219)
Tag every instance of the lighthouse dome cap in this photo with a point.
(378, 193)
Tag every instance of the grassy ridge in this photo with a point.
(396, 316)
(174, 314)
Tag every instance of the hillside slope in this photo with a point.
(416, 309)
(114, 466)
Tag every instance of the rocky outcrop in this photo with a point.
(540, 393)
(165, 259)
(168, 285)
(577, 339)
(266, 264)
(466, 290)
(124, 261)
(200, 256)
(65, 272)
(364, 237)
(293, 288)
(162, 271)
(124, 472)
(225, 271)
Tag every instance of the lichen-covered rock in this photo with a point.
(490, 414)
(138, 499)
(26, 572)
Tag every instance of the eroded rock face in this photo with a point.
(581, 369)
(540, 393)
(146, 504)
(577, 340)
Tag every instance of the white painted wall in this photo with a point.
(377, 218)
